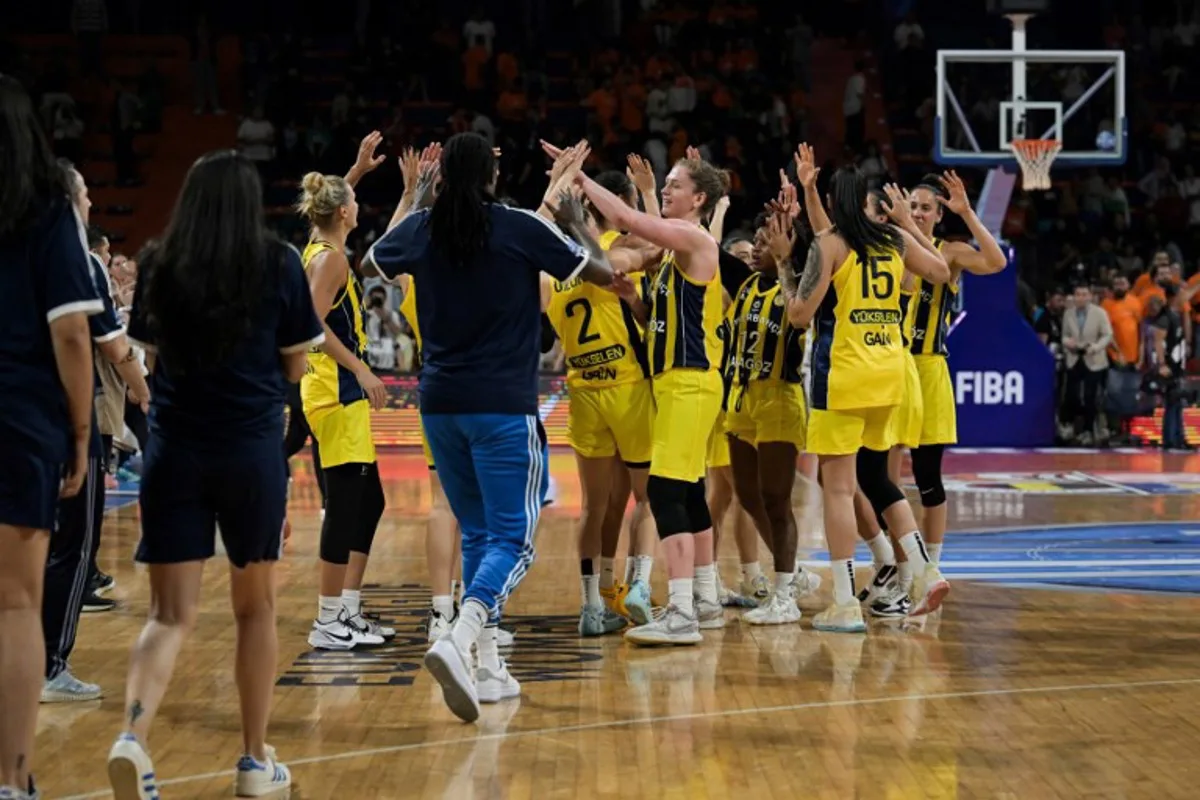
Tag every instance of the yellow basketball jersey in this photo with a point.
(684, 319)
(908, 314)
(931, 317)
(858, 358)
(408, 310)
(600, 338)
(326, 382)
(765, 346)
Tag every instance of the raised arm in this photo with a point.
(806, 174)
(920, 256)
(367, 160)
(716, 226)
(642, 175)
(419, 173)
(569, 215)
(567, 164)
(804, 295)
(989, 258)
(670, 234)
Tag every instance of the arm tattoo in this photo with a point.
(787, 278)
(579, 232)
(130, 355)
(812, 272)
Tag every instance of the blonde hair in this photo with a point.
(321, 197)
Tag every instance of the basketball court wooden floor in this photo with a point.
(1064, 666)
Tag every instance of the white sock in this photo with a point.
(914, 547)
(591, 590)
(783, 583)
(352, 602)
(679, 594)
(843, 580)
(472, 617)
(881, 550)
(935, 552)
(489, 651)
(328, 608)
(606, 573)
(443, 604)
(643, 567)
(905, 569)
(706, 583)
(751, 571)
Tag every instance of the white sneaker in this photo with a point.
(758, 590)
(495, 685)
(844, 618)
(928, 591)
(340, 635)
(439, 626)
(805, 584)
(66, 688)
(366, 622)
(130, 770)
(780, 610)
(709, 615)
(259, 778)
(451, 668)
(504, 638)
(669, 626)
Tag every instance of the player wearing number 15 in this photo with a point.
(850, 291)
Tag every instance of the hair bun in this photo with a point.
(313, 183)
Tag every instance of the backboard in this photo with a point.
(988, 98)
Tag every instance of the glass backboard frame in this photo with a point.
(946, 103)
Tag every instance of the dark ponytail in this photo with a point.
(460, 221)
(619, 184)
(847, 196)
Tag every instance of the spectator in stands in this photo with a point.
(256, 139)
(1169, 358)
(383, 330)
(203, 46)
(126, 122)
(479, 30)
(1086, 336)
(1125, 314)
(908, 32)
(853, 107)
(1049, 329)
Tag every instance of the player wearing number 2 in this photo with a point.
(611, 419)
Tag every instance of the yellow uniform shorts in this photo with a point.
(718, 445)
(616, 419)
(910, 418)
(687, 404)
(940, 418)
(768, 411)
(843, 432)
(344, 434)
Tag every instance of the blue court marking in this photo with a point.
(1152, 556)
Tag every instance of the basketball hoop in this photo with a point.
(1035, 157)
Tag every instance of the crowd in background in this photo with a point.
(733, 78)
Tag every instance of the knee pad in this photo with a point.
(370, 509)
(927, 471)
(871, 467)
(697, 507)
(669, 505)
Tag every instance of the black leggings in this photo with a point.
(927, 471)
(352, 511)
(297, 434)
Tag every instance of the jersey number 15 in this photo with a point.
(875, 281)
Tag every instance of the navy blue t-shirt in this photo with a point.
(44, 275)
(104, 327)
(480, 323)
(240, 402)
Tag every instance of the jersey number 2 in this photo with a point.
(876, 281)
(586, 336)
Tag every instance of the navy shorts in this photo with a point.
(184, 495)
(29, 489)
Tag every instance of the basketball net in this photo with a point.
(1035, 157)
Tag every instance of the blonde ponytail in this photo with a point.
(321, 197)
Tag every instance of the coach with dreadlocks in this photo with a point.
(476, 266)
